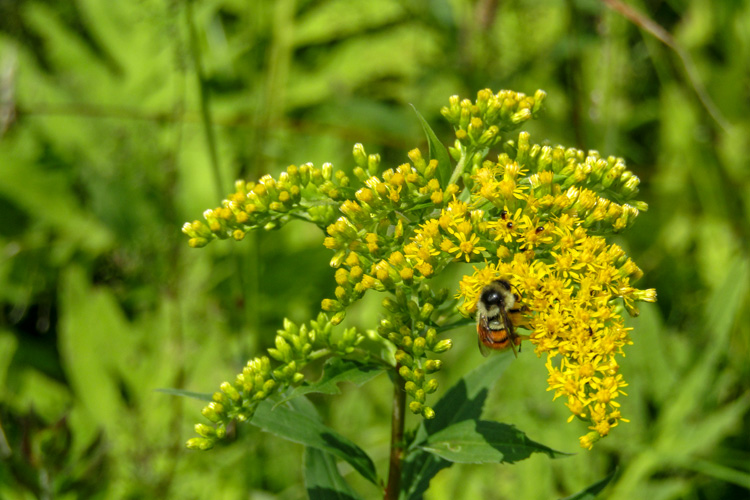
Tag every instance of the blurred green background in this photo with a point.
(119, 121)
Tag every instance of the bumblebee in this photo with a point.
(498, 312)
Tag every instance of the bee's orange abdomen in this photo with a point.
(496, 339)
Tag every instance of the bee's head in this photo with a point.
(490, 296)
(503, 284)
(495, 293)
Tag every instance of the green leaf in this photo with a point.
(592, 491)
(437, 151)
(289, 422)
(481, 441)
(721, 310)
(323, 479)
(93, 332)
(463, 401)
(720, 315)
(336, 371)
(203, 396)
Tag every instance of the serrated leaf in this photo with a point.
(437, 151)
(202, 396)
(463, 401)
(337, 371)
(481, 441)
(323, 479)
(592, 491)
(289, 423)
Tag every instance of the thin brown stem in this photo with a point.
(398, 416)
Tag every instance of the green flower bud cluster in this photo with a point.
(371, 230)
(409, 325)
(306, 192)
(549, 182)
(295, 347)
(480, 123)
(596, 188)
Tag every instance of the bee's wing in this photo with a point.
(511, 331)
(483, 348)
(482, 331)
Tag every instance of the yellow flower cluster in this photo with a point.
(481, 122)
(370, 237)
(572, 313)
(570, 280)
(536, 216)
(304, 192)
(541, 228)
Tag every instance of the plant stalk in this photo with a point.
(398, 417)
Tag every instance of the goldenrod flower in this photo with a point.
(571, 313)
(569, 281)
(465, 247)
(539, 214)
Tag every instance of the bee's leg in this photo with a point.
(513, 346)
(519, 339)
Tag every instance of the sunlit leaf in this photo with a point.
(480, 441)
(465, 400)
(88, 354)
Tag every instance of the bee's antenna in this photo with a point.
(516, 288)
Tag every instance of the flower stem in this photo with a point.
(396, 460)
(467, 155)
(459, 169)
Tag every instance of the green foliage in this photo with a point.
(307, 430)
(462, 402)
(481, 442)
(103, 153)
